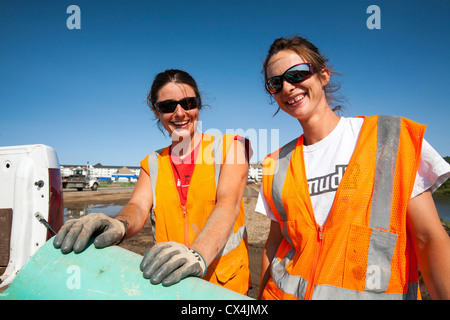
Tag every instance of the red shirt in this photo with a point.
(184, 168)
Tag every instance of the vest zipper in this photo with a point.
(310, 287)
(186, 227)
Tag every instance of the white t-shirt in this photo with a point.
(326, 161)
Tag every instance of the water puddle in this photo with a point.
(73, 211)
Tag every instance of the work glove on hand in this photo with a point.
(169, 262)
(75, 234)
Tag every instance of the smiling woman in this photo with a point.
(174, 77)
(201, 233)
(300, 51)
(177, 110)
(350, 198)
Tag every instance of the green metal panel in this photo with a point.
(109, 273)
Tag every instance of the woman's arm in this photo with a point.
(169, 262)
(230, 190)
(270, 249)
(136, 211)
(432, 244)
(75, 234)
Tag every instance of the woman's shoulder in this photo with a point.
(145, 162)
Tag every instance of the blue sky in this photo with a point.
(83, 91)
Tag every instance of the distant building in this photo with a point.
(131, 174)
(255, 172)
(125, 174)
(101, 172)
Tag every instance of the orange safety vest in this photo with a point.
(172, 221)
(363, 250)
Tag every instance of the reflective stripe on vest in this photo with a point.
(217, 146)
(153, 172)
(382, 243)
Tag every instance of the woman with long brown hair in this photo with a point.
(350, 198)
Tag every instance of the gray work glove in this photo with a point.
(75, 234)
(169, 262)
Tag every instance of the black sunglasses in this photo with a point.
(169, 106)
(294, 74)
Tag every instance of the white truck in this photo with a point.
(80, 181)
(31, 204)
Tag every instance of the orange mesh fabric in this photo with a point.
(340, 257)
(174, 222)
(404, 267)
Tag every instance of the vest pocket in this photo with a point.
(368, 259)
(356, 257)
(229, 265)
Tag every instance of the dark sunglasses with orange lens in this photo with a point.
(169, 106)
(294, 74)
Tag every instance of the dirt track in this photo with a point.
(257, 224)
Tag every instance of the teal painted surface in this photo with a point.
(109, 273)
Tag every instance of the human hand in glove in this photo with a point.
(169, 262)
(75, 234)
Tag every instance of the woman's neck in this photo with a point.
(183, 146)
(319, 126)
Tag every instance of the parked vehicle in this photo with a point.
(31, 204)
(80, 181)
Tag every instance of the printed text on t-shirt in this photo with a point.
(327, 183)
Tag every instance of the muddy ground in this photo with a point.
(257, 224)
